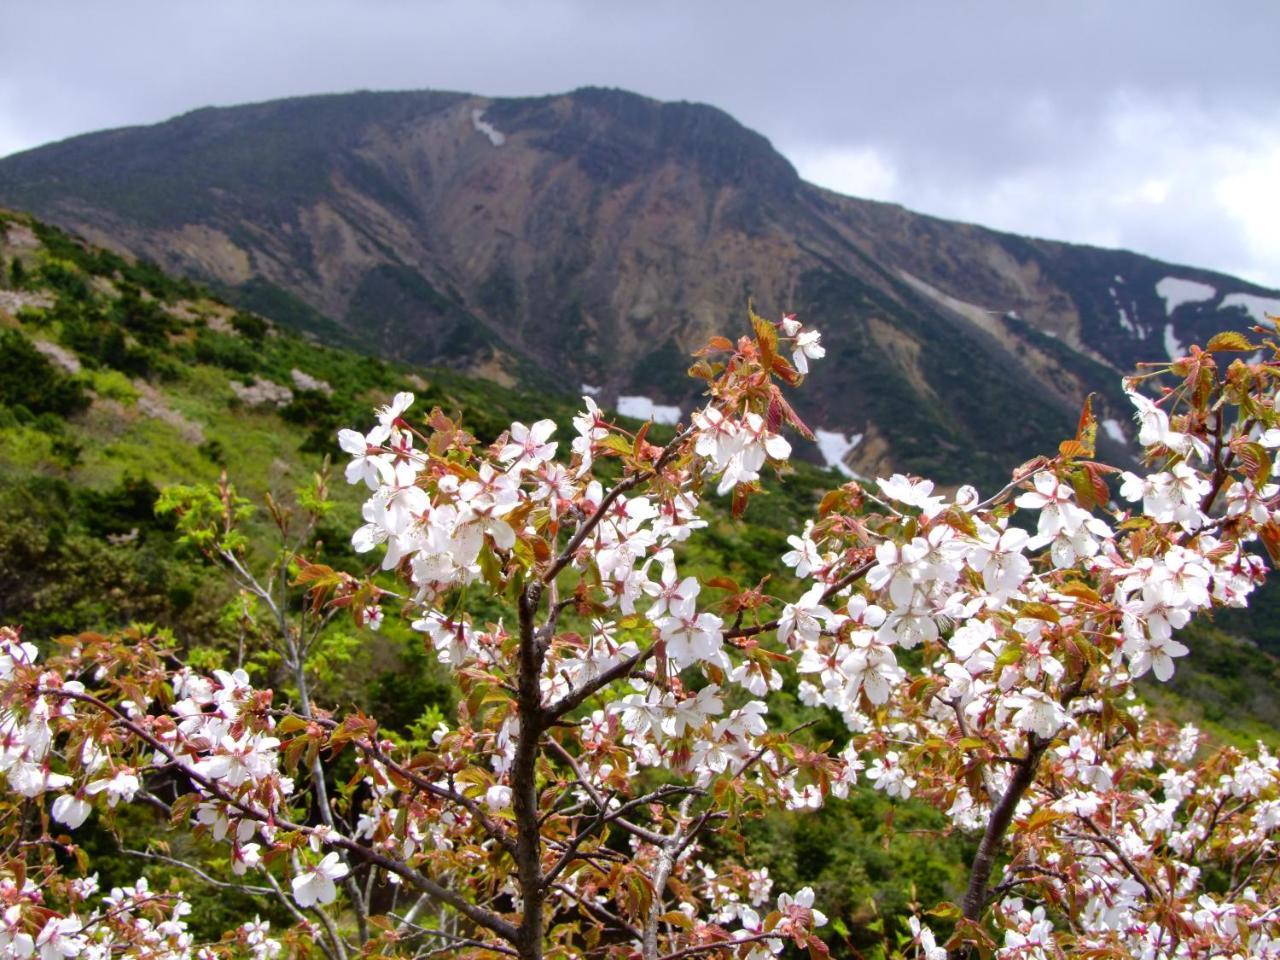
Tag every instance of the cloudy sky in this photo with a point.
(1142, 124)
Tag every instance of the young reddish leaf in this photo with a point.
(1074, 450)
(1269, 532)
(719, 343)
(766, 337)
(784, 371)
(701, 370)
(1087, 427)
(1083, 489)
(724, 583)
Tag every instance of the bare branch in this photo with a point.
(191, 868)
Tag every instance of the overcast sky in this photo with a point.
(1148, 125)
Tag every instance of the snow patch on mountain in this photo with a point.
(1175, 291)
(1112, 428)
(1128, 325)
(1256, 307)
(1172, 345)
(496, 136)
(834, 447)
(642, 408)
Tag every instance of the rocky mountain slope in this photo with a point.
(596, 237)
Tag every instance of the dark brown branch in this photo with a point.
(524, 776)
(635, 829)
(1024, 775)
(849, 578)
(604, 816)
(573, 700)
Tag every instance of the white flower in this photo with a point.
(804, 899)
(252, 758)
(245, 857)
(805, 557)
(388, 415)
(913, 493)
(528, 446)
(71, 810)
(316, 886)
(923, 938)
(32, 779)
(369, 462)
(888, 775)
(498, 797)
(14, 941)
(1154, 428)
(1000, 560)
(691, 639)
(871, 667)
(804, 618)
(1038, 713)
(591, 427)
(57, 939)
(807, 348)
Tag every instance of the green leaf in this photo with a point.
(1228, 340)
(617, 443)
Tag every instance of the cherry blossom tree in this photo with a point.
(981, 652)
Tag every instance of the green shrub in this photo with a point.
(228, 352)
(249, 325)
(28, 379)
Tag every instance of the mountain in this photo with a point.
(597, 237)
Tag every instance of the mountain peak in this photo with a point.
(598, 236)
(616, 135)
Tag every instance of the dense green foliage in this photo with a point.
(30, 383)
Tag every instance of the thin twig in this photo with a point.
(212, 881)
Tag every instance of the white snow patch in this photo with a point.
(496, 136)
(1119, 279)
(1172, 346)
(642, 408)
(1256, 307)
(1112, 428)
(835, 447)
(589, 390)
(1128, 325)
(1175, 291)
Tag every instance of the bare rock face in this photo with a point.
(597, 237)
